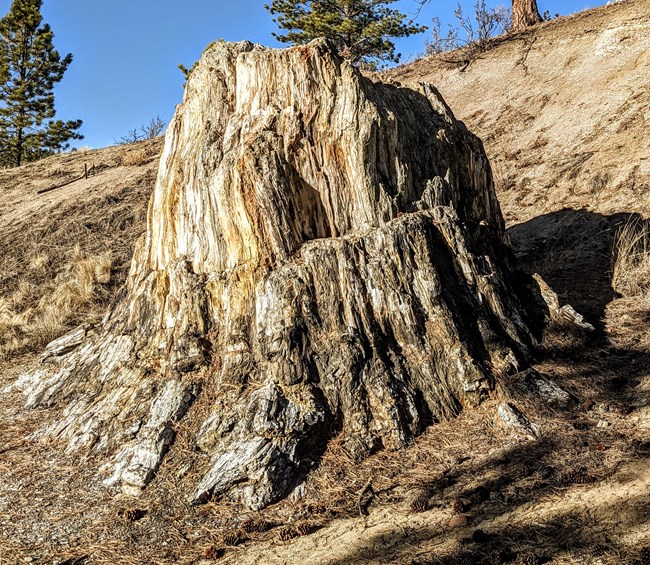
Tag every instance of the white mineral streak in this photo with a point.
(513, 419)
(544, 388)
(136, 463)
(324, 256)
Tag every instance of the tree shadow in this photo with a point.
(514, 479)
(573, 251)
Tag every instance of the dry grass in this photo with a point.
(631, 273)
(628, 316)
(32, 315)
(63, 268)
(50, 512)
(138, 156)
(470, 462)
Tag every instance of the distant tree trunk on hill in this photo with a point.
(524, 14)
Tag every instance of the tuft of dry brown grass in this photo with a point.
(628, 317)
(139, 156)
(631, 273)
(34, 314)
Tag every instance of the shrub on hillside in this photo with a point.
(474, 31)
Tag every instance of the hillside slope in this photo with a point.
(563, 110)
(65, 252)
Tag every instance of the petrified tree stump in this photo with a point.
(323, 252)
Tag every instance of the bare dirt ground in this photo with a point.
(466, 491)
(114, 168)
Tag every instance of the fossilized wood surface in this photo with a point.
(325, 254)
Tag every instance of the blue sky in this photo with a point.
(126, 52)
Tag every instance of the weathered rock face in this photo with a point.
(325, 254)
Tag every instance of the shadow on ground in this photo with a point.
(490, 538)
(573, 250)
(567, 498)
(516, 502)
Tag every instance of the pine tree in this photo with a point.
(359, 29)
(29, 69)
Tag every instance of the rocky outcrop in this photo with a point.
(324, 256)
